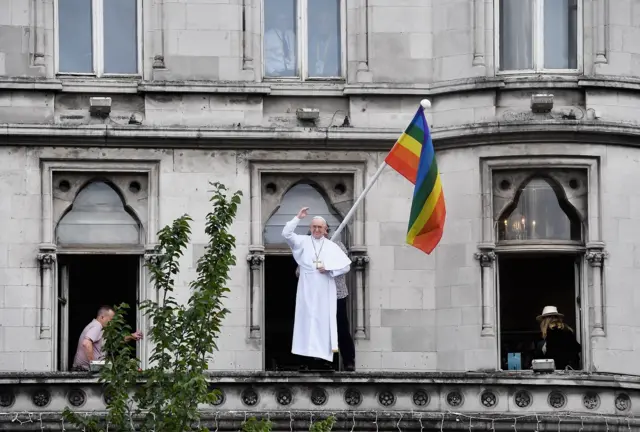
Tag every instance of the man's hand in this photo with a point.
(137, 335)
(304, 211)
(322, 269)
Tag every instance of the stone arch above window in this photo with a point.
(302, 194)
(539, 209)
(98, 216)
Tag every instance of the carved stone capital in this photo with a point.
(360, 261)
(486, 257)
(47, 259)
(152, 255)
(596, 257)
(255, 260)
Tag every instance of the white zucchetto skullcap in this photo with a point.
(321, 218)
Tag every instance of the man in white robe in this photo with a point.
(315, 330)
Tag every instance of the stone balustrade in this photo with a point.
(388, 401)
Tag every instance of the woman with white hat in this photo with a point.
(558, 340)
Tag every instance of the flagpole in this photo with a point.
(349, 215)
(424, 103)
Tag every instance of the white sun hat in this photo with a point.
(549, 311)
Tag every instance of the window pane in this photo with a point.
(560, 34)
(98, 217)
(280, 38)
(324, 42)
(301, 195)
(75, 33)
(120, 36)
(540, 215)
(516, 34)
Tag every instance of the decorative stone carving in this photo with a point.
(249, 397)
(596, 257)
(488, 399)
(572, 113)
(522, 398)
(152, 256)
(386, 398)
(47, 259)
(557, 400)
(255, 260)
(623, 402)
(485, 257)
(284, 396)
(219, 397)
(360, 261)
(41, 398)
(77, 397)
(454, 399)
(7, 398)
(318, 396)
(591, 400)
(352, 397)
(421, 398)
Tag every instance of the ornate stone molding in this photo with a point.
(572, 113)
(47, 259)
(255, 259)
(486, 257)
(360, 261)
(595, 256)
(152, 255)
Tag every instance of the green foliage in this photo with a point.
(165, 397)
(323, 425)
(253, 425)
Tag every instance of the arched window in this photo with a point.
(300, 195)
(540, 213)
(98, 216)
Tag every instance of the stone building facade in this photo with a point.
(115, 115)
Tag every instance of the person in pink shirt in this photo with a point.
(91, 342)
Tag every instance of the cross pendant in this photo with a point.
(318, 263)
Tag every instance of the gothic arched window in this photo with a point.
(98, 216)
(540, 212)
(300, 195)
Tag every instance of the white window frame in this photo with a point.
(302, 26)
(97, 37)
(538, 42)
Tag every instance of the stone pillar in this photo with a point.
(247, 35)
(152, 256)
(486, 256)
(479, 33)
(158, 37)
(256, 266)
(360, 262)
(595, 257)
(37, 32)
(47, 260)
(599, 15)
(362, 39)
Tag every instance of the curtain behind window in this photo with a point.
(516, 34)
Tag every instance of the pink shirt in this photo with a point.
(93, 331)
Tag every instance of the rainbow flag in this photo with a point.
(413, 157)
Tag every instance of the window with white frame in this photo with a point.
(303, 39)
(98, 37)
(538, 35)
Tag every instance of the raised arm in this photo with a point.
(288, 232)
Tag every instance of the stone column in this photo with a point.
(256, 266)
(47, 260)
(360, 262)
(595, 257)
(486, 256)
(362, 40)
(479, 33)
(247, 35)
(37, 32)
(158, 37)
(599, 8)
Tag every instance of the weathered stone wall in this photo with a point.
(424, 312)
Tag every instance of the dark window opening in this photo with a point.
(528, 283)
(280, 305)
(87, 282)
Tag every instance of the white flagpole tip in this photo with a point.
(425, 103)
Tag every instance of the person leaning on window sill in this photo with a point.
(558, 340)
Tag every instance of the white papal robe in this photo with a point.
(315, 330)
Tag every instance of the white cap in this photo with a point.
(425, 103)
(321, 218)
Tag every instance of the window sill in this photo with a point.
(203, 87)
(76, 84)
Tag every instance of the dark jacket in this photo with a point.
(562, 347)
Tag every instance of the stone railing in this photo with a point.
(371, 401)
